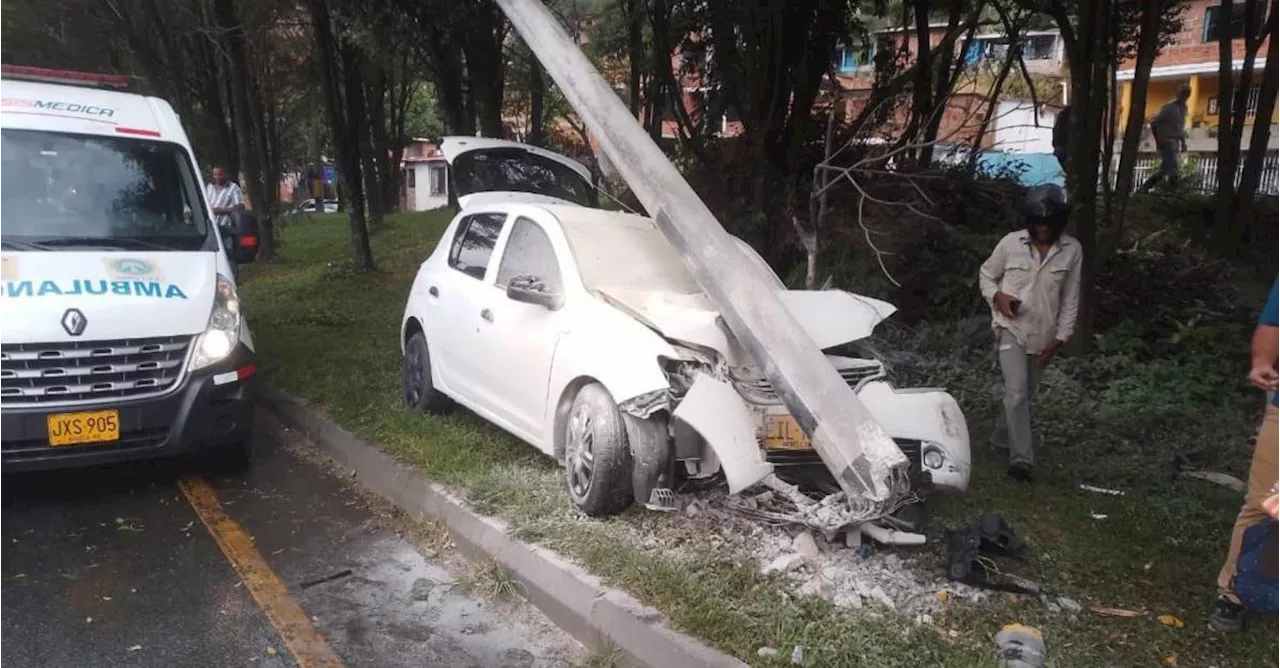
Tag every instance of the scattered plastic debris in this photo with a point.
(767, 652)
(1101, 490)
(1170, 620)
(797, 655)
(1019, 646)
(1097, 516)
(136, 648)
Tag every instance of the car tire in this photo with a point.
(597, 455)
(416, 388)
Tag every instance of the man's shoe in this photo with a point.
(1227, 616)
(1020, 471)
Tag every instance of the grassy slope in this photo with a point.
(330, 335)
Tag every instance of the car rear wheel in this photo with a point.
(416, 388)
(597, 455)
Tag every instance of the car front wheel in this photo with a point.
(416, 388)
(597, 455)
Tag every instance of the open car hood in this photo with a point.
(489, 170)
(830, 317)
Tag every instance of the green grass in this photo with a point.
(330, 335)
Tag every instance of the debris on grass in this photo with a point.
(1229, 481)
(1019, 646)
(1170, 620)
(494, 581)
(1117, 612)
(1101, 490)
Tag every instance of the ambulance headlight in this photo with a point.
(223, 332)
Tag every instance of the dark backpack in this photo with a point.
(1255, 582)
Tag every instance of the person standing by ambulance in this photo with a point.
(225, 198)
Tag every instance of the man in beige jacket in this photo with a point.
(1032, 282)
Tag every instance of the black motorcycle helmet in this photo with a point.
(1046, 204)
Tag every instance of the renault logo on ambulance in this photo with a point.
(74, 322)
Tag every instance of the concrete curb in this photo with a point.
(598, 616)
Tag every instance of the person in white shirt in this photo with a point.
(224, 198)
(1032, 282)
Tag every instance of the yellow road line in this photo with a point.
(289, 619)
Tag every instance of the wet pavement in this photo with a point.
(284, 565)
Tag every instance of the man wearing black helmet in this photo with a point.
(1032, 282)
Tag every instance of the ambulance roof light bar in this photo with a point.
(65, 77)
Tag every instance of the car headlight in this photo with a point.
(932, 457)
(222, 334)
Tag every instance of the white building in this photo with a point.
(426, 183)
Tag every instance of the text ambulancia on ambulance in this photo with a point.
(121, 334)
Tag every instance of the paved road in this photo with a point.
(285, 565)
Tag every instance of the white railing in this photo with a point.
(1200, 171)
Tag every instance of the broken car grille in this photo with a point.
(759, 390)
(90, 371)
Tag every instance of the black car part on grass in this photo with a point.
(970, 555)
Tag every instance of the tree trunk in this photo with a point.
(1226, 191)
(635, 12)
(343, 98)
(1148, 47)
(537, 103)
(483, 50)
(248, 120)
(660, 61)
(945, 77)
(1251, 174)
(374, 139)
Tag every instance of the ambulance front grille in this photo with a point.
(91, 371)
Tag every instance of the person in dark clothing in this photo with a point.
(1062, 136)
(1169, 128)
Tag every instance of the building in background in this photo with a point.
(426, 183)
(1193, 60)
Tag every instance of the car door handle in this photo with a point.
(487, 315)
(433, 291)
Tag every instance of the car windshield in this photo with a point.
(64, 191)
(517, 170)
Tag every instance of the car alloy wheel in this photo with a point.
(414, 376)
(597, 456)
(580, 451)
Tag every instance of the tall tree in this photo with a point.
(338, 61)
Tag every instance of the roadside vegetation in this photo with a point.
(1162, 388)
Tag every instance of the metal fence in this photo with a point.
(1200, 171)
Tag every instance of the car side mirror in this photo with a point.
(530, 289)
(244, 237)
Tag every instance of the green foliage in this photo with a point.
(421, 120)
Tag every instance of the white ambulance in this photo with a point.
(121, 335)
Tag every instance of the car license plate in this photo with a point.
(81, 428)
(782, 432)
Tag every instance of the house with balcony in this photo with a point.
(1193, 60)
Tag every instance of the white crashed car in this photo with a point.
(579, 331)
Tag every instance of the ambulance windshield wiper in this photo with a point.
(108, 243)
(10, 244)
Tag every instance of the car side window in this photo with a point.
(473, 243)
(529, 253)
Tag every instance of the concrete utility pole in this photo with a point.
(863, 458)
